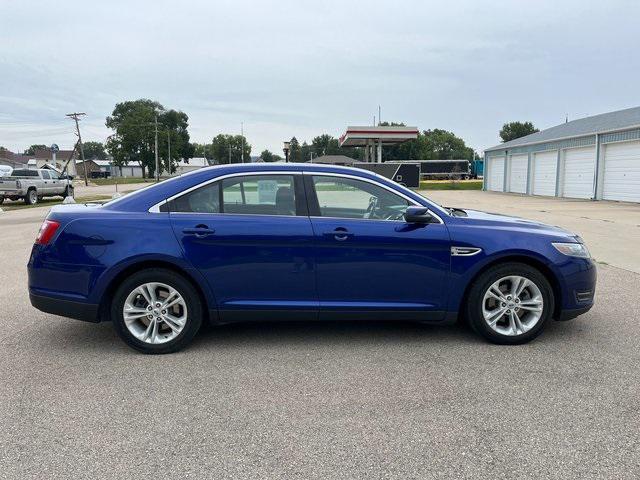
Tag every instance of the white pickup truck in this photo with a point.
(32, 185)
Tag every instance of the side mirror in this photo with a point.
(417, 215)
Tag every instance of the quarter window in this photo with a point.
(202, 200)
(349, 198)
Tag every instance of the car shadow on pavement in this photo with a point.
(72, 335)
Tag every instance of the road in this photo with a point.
(340, 400)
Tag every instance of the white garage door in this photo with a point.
(622, 172)
(579, 169)
(518, 173)
(544, 173)
(496, 174)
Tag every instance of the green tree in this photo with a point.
(32, 149)
(513, 130)
(435, 144)
(94, 150)
(202, 150)
(267, 156)
(440, 144)
(228, 148)
(133, 140)
(295, 154)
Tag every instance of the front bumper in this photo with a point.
(86, 312)
(573, 313)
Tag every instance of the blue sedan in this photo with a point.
(301, 242)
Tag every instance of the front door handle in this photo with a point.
(340, 234)
(199, 231)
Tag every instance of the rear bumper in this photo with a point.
(86, 312)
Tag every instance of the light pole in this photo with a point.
(286, 151)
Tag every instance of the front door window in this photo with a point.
(340, 197)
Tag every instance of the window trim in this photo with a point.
(302, 209)
(312, 198)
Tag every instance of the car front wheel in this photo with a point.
(156, 311)
(510, 303)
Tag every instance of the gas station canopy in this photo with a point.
(372, 139)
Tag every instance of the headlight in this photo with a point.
(573, 249)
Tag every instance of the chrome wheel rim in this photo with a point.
(512, 306)
(155, 313)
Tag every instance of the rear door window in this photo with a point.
(259, 195)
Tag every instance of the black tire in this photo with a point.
(480, 286)
(31, 198)
(1, 200)
(173, 279)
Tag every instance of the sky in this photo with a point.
(303, 68)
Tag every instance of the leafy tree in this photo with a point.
(440, 144)
(94, 150)
(513, 130)
(202, 150)
(436, 144)
(267, 156)
(32, 149)
(295, 154)
(134, 137)
(228, 148)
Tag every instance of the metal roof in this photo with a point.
(605, 122)
(359, 136)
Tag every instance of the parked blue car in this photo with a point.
(301, 242)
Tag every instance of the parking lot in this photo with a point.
(347, 400)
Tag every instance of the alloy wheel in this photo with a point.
(155, 313)
(513, 305)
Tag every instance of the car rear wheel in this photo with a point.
(31, 198)
(510, 303)
(156, 311)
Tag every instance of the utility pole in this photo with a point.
(157, 165)
(242, 146)
(75, 116)
(169, 150)
(379, 115)
(229, 153)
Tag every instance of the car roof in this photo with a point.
(151, 195)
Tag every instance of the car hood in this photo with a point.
(507, 222)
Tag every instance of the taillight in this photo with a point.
(46, 232)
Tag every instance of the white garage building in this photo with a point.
(594, 157)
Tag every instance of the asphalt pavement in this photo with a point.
(317, 401)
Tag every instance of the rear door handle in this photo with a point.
(199, 231)
(339, 234)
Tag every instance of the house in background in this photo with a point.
(13, 160)
(58, 159)
(185, 166)
(95, 168)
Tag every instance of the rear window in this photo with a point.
(25, 173)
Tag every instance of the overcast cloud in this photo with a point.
(300, 68)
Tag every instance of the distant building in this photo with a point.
(59, 159)
(190, 165)
(334, 160)
(95, 167)
(595, 158)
